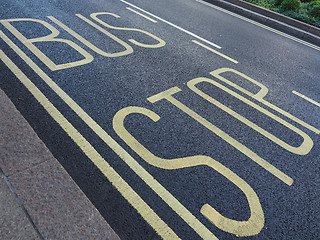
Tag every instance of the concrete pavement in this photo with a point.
(38, 199)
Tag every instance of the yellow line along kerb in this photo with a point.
(145, 211)
(122, 186)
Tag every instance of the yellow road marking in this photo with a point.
(145, 211)
(250, 227)
(52, 37)
(233, 142)
(142, 15)
(259, 97)
(122, 186)
(216, 52)
(303, 149)
(261, 25)
(173, 25)
(128, 48)
(306, 98)
(160, 43)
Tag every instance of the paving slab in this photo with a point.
(55, 206)
(20, 148)
(14, 223)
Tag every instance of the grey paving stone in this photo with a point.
(20, 147)
(14, 223)
(57, 206)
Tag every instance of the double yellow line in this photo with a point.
(122, 186)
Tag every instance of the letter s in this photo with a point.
(241, 228)
(158, 45)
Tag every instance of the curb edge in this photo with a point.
(280, 22)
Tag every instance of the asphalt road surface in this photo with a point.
(178, 119)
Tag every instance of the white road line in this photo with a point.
(306, 98)
(216, 52)
(259, 24)
(142, 15)
(134, 199)
(173, 25)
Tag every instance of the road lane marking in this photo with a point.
(142, 15)
(127, 47)
(173, 25)
(52, 37)
(259, 96)
(144, 210)
(260, 25)
(160, 43)
(121, 185)
(304, 148)
(306, 98)
(216, 52)
(250, 227)
(233, 142)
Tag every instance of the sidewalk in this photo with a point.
(38, 199)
